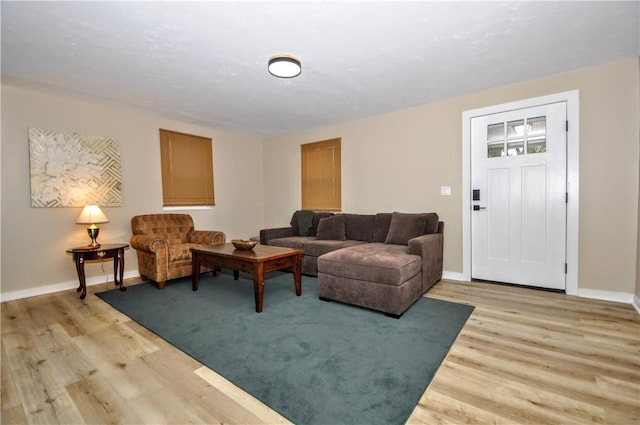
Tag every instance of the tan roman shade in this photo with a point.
(321, 179)
(187, 169)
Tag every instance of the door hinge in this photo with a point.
(567, 125)
(566, 197)
(566, 267)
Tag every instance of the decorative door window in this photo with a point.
(520, 137)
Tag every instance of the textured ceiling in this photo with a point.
(206, 62)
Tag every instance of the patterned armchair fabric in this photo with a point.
(163, 242)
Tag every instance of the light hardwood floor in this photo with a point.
(524, 356)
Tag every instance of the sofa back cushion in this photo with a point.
(332, 228)
(359, 227)
(316, 221)
(173, 227)
(431, 224)
(381, 226)
(408, 226)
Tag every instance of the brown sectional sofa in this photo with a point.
(383, 261)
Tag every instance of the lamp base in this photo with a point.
(93, 234)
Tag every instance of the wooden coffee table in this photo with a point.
(260, 260)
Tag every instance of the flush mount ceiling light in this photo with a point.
(284, 66)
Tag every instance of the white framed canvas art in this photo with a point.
(71, 170)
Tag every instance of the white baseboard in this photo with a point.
(596, 294)
(619, 297)
(453, 276)
(56, 287)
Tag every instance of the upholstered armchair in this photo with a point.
(163, 244)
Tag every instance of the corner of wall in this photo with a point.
(637, 291)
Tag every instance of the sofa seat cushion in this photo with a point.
(320, 247)
(294, 242)
(182, 251)
(373, 262)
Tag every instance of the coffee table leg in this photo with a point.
(297, 275)
(258, 286)
(195, 271)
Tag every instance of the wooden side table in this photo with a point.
(100, 253)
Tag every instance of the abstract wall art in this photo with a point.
(71, 170)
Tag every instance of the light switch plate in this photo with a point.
(445, 191)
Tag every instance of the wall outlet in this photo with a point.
(445, 191)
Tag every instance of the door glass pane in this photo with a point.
(515, 147)
(515, 129)
(536, 126)
(537, 145)
(536, 135)
(515, 137)
(495, 132)
(495, 150)
(495, 140)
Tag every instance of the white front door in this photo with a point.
(519, 186)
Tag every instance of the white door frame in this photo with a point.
(572, 100)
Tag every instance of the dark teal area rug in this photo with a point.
(312, 361)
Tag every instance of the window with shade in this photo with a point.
(321, 176)
(187, 169)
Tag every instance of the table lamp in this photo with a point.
(92, 215)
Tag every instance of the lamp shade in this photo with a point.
(92, 214)
(284, 66)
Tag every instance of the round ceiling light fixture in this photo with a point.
(284, 66)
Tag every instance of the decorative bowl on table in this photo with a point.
(243, 245)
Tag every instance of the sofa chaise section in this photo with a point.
(381, 276)
(383, 261)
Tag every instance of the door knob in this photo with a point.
(478, 208)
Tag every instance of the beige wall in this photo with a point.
(398, 161)
(34, 240)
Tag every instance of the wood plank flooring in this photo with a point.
(524, 357)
